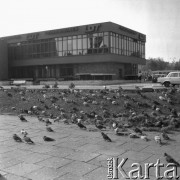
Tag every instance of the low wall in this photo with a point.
(112, 82)
(4, 83)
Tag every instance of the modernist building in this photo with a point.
(96, 51)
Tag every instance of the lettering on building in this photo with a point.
(59, 31)
(33, 36)
(92, 28)
(13, 37)
(127, 30)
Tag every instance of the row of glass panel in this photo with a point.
(106, 42)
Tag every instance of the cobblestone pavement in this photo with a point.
(75, 154)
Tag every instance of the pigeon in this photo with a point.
(22, 118)
(133, 135)
(145, 138)
(105, 137)
(137, 130)
(158, 139)
(79, 120)
(17, 138)
(99, 126)
(9, 94)
(120, 133)
(114, 125)
(13, 108)
(165, 136)
(162, 98)
(65, 121)
(49, 129)
(169, 159)
(81, 125)
(48, 122)
(40, 118)
(46, 107)
(48, 138)
(28, 140)
(24, 132)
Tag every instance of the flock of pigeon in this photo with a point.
(127, 114)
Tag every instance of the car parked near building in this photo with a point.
(173, 78)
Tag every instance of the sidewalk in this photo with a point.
(75, 154)
(130, 86)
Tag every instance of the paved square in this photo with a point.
(75, 154)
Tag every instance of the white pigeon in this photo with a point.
(162, 98)
(79, 120)
(144, 138)
(157, 139)
(114, 125)
(24, 132)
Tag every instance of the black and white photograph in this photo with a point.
(89, 89)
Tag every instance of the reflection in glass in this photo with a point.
(104, 42)
(79, 43)
(85, 45)
(74, 44)
(60, 48)
(69, 47)
(64, 45)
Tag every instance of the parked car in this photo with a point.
(156, 76)
(173, 78)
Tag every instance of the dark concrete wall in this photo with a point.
(81, 59)
(101, 68)
(3, 60)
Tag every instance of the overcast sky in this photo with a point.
(158, 19)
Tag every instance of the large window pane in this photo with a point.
(143, 50)
(125, 46)
(120, 44)
(74, 42)
(79, 46)
(52, 47)
(85, 45)
(90, 44)
(106, 44)
(79, 43)
(112, 43)
(60, 48)
(65, 46)
(117, 44)
(98, 41)
(69, 46)
(90, 41)
(106, 41)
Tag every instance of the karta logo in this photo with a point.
(115, 169)
(92, 28)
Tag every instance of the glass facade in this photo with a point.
(97, 43)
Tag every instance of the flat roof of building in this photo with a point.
(77, 30)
